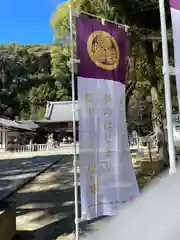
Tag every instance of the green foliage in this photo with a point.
(31, 75)
(145, 77)
(60, 69)
(26, 80)
(147, 54)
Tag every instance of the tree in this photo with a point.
(23, 68)
(60, 69)
(143, 17)
(60, 53)
(13, 71)
(138, 13)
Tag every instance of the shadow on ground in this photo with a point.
(13, 171)
(45, 208)
(47, 202)
(61, 228)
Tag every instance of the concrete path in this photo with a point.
(14, 171)
(17, 167)
(45, 208)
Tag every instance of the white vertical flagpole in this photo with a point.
(72, 61)
(172, 160)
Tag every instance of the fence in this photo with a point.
(143, 148)
(142, 141)
(133, 143)
(31, 147)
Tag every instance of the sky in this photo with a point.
(26, 21)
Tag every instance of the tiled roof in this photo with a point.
(60, 111)
(28, 124)
(13, 124)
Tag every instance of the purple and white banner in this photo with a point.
(107, 177)
(175, 15)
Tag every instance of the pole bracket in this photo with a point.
(74, 60)
(75, 110)
(172, 71)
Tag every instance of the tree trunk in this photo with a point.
(157, 120)
(130, 87)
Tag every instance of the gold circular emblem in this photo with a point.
(103, 50)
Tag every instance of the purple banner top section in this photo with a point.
(175, 4)
(102, 49)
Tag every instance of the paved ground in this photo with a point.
(14, 171)
(45, 208)
(16, 167)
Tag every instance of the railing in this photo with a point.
(133, 142)
(143, 141)
(30, 148)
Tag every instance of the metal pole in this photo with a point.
(167, 87)
(74, 126)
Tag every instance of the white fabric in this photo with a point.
(103, 128)
(175, 15)
(154, 215)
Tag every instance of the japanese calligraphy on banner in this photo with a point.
(175, 15)
(107, 177)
